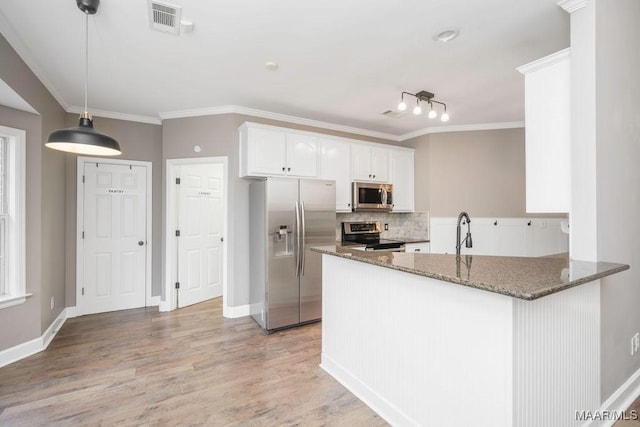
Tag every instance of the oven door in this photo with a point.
(368, 196)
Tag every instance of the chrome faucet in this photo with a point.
(467, 240)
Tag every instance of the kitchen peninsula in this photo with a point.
(446, 340)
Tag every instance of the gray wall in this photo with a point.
(45, 208)
(481, 172)
(218, 136)
(618, 180)
(138, 141)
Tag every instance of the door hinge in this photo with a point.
(222, 239)
(177, 180)
(177, 285)
(177, 233)
(83, 179)
(82, 291)
(83, 234)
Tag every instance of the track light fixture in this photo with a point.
(424, 96)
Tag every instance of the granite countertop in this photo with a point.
(519, 277)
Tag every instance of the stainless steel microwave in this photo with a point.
(371, 196)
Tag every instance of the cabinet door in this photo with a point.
(335, 161)
(266, 151)
(302, 155)
(548, 133)
(379, 165)
(402, 180)
(361, 162)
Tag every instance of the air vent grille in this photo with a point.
(393, 114)
(164, 17)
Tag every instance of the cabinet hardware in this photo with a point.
(495, 223)
(283, 169)
(374, 177)
(288, 169)
(529, 223)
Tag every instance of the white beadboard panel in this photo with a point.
(557, 357)
(501, 236)
(417, 349)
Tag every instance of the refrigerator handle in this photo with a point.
(304, 238)
(297, 240)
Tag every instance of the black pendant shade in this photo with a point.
(83, 139)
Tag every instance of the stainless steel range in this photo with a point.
(368, 233)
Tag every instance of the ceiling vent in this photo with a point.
(393, 114)
(164, 17)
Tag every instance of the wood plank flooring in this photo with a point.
(184, 368)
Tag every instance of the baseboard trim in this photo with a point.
(36, 345)
(71, 312)
(619, 401)
(388, 411)
(236, 311)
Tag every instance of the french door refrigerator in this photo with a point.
(287, 217)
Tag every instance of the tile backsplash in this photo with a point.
(414, 224)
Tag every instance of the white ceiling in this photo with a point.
(340, 61)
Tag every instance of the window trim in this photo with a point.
(15, 236)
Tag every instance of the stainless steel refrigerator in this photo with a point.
(287, 217)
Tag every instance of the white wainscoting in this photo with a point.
(416, 349)
(501, 236)
(556, 343)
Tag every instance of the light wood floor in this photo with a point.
(187, 367)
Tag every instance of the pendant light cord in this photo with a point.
(86, 62)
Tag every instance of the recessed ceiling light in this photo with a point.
(271, 65)
(446, 35)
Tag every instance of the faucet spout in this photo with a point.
(467, 239)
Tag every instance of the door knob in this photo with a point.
(140, 243)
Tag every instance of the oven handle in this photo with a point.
(400, 249)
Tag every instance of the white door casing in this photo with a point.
(114, 235)
(173, 168)
(201, 223)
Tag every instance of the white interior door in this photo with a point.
(115, 237)
(201, 223)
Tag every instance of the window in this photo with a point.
(12, 218)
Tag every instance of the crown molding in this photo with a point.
(116, 115)
(461, 128)
(235, 109)
(545, 61)
(572, 5)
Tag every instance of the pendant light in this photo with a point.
(84, 139)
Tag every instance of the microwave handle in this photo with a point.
(384, 196)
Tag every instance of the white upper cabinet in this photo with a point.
(275, 151)
(302, 158)
(548, 133)
(402, 178)
(335, 159)
(369, 163)
(268, 151)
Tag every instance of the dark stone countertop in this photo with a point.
(518, 277)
